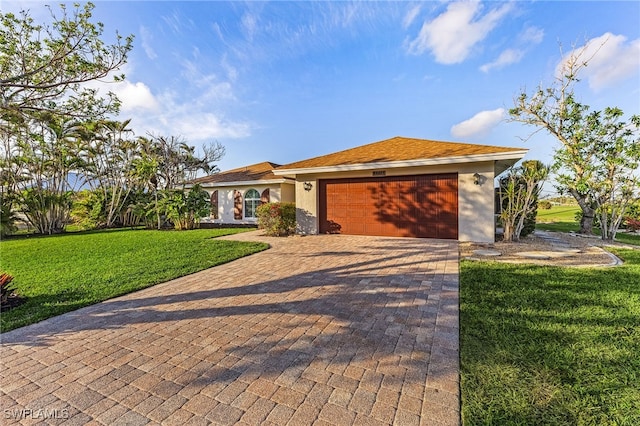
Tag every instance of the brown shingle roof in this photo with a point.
(260, 171)
(398, 149)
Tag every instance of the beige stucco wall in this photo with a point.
(288, 193)
(475, 202)
(307, 206)
(476, 220)
(277, 193)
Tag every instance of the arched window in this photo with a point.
(214, 204)
(251, 202)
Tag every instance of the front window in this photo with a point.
(251, 202)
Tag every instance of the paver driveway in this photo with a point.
(316, 330)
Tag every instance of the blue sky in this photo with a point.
(284, 81)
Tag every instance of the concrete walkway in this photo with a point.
(323, 330)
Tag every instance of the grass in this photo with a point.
(559, 226)
(558, 214)
(61, 273)
(633, 239)
(550, 345)
(562, 219)
(558, 219)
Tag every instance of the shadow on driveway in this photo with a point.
(345, 329)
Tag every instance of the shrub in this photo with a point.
(277, 219)
(88, 211)
(632, 224)
(185, 208)
(544, 204)
(8, 218)
(633, 211)
(47, 210)
(5, 287)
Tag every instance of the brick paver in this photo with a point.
(316, 330)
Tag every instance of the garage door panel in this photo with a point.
(411, 206)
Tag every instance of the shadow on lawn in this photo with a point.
(549, 345)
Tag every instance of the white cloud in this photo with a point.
(194, 119)
(451, 36)
(231, 71)
(209, 87)
(533, 35)
(135, 96)
(193, 112)
(204, 126)
(147, 37)
(411, 16)
(249, 25)
(479, 125)
(509, 56)
(611, 59)
(178, 23)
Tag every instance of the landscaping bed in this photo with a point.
(575, 251)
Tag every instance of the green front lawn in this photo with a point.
(61, 273)
(559, 226)
(633, 239)
(558, 214)
(550, 345)
(562, 219)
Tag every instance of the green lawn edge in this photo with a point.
(62, 273)
(550, 345)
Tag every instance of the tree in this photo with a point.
(110, 154)
(145, 170)
(598, 153)
(178, 162)
(163, 166)
(43, 67)
(519, 192)
(43, 99)
(616, 158)
(555, 110)
(44, 157)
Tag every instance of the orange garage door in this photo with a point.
(401, 206)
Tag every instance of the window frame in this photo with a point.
(251, 204)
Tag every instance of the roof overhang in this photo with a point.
(500, 158)
(244, 183)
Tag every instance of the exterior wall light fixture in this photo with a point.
(307, 186)
(477, 178)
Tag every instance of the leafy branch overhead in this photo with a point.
(43, 67)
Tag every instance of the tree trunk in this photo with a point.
(588, 213)
(586, 223)
(157, 211)
(508, 231)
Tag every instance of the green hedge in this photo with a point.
(277, 219)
